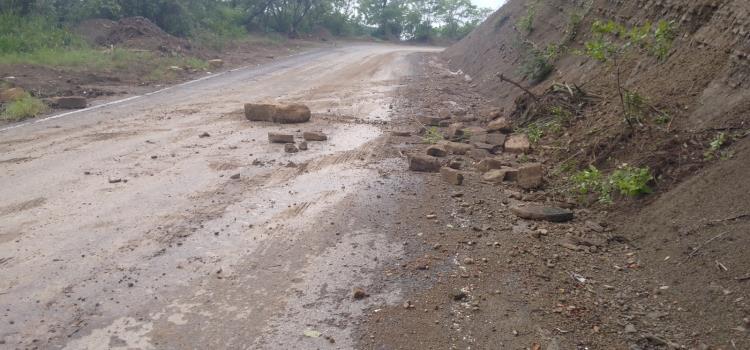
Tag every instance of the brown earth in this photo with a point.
(665, 270)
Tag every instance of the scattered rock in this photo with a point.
(276, 137)
(359, 294)
(235, 176)
(302, 146)
(215, 63)
(496, 175)
(430, 120)
(205, 134)
(424, 163)
(495, 139)
(455, 131)
(541, 212)
(457, 147)
(458, 295)
(630, 328)
(290, 148)
(314, 136)
(488, 164)
(401, 133)
(284, 114)
(69, 102)
(452, 176)
(517, 144)
(487, 147)
(437, 151)
(500, 124)
(529, 175)
(478, 153)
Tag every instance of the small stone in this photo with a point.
(630, 328)
(205, 134)
(478, 153)
(437, 151)
(314, 136)
(235, 176)
(488, 164)
(530, 175)
(401, 133)
(495, 139)
(215, 63)
(452, 176)
(468, 261)
(359, 294)
(496, 175)
(541, 212)
(276, 137)
(500, 124)
(457, 147)
(458, 295)
(430, 121)
(302, 146)
(517, 144)
(424, 163)
(290, 148)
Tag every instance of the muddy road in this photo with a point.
(121, 226)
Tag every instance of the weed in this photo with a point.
(662, 118)
(631, 181)
(26, 107)
(561, 115)
(715, 148)
(534, 132)
(635, 106)
(536, 66)
(627, 180)
(526, 22)
(663, 36)
(432, 136)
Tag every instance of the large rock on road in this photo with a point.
(283, 114)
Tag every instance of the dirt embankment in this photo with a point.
(660, 271)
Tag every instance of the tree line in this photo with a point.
(419, 20)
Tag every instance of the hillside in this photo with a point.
(688, 126)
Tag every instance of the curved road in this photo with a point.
(122, 227)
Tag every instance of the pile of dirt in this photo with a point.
(133, 33)
(670, 272)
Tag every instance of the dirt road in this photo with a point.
(122, 227)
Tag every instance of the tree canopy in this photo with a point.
(420, 20)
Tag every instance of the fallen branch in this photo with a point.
(503, 78)
(695, 250)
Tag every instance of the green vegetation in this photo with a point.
(626, 180)
(432, 136)
(536, 65)
(715, 148)
(526, 22)
(26, 107)
(635, 106)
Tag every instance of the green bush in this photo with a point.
(26, 107)
(536, 66)
(631, 181)
(626, 180)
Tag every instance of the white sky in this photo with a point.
(493, 4)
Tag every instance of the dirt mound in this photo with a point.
(133, 33)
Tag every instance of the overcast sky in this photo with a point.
(493, 4)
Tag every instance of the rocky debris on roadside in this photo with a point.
(529, 176)
(437, 151)
(203, 135)
(430, 120)
(497, 176)
(401, 133)
(456, 147)
(517, 143)
(424, 163)
(69, 102)
(283, 114)
(215, 63)
(500, 124)
(302, 146)
(12, 94)
(488, 164)
(314, 136)
(452, 176)
(533, 211)
(454, 132)
(359, 294)
(290, 148)
(277, 137)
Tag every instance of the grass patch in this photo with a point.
(26, 107)
(432, 136)
(627, 180)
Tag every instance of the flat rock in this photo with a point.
(277, 137)
(478, 153)
(302, 146)
(533, 211)
(496, 175)
(452, 176)
(430, 120)
(457, 147)
(424, 163)
(290, 148)
(530, 175)
(401, 133)
(495, 139)
(488, 164)
(314, 136)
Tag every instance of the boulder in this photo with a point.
(70, 102)
(290, 148)
(518, 143)
(530, 175)
(424, 163)
(314, 136)
(541, 212)
(457, 147)
(12, 94)
(500, 124)
(452, 176)
(284, 114)
(437, 151)
(277, 137)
